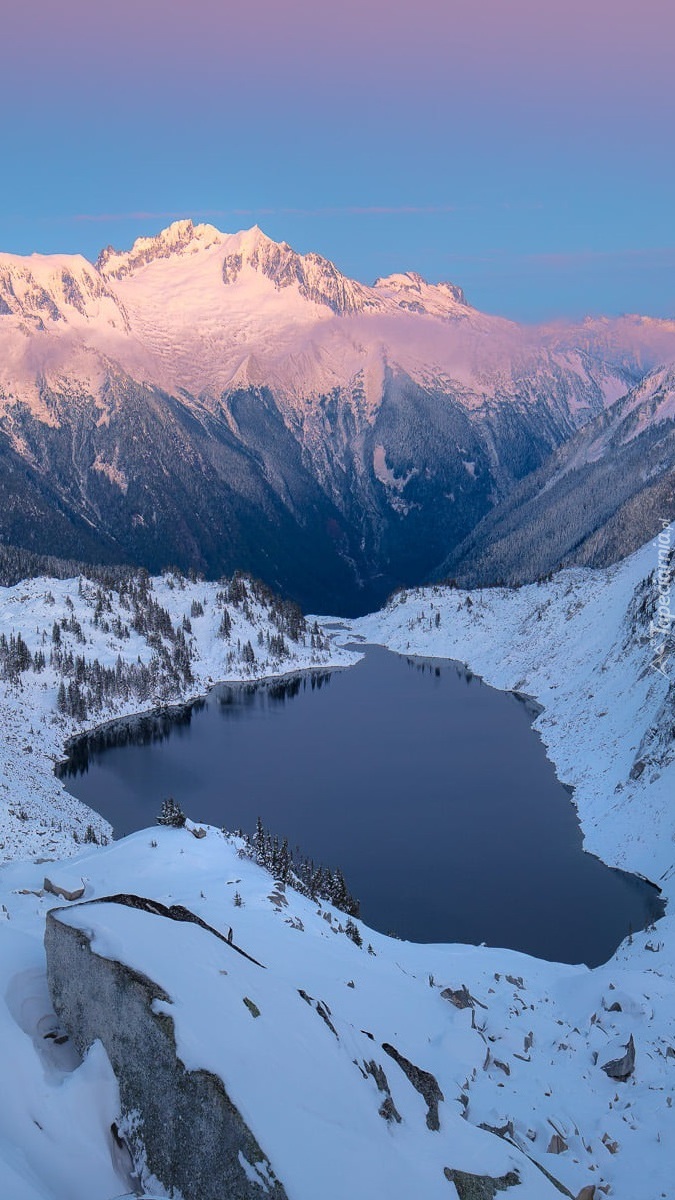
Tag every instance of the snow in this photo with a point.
(205, 311)
(37, 815)
(528, 1056)
(394, 484)
(568, 644)
(310, 1108)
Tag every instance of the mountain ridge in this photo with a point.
(592, 502)
(218, 401)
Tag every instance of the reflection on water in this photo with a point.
(145, 729)
(140, 730)
(427, 787)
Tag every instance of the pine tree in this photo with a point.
(171, 814)
(284, 862)
(352, 932)
(259, 840)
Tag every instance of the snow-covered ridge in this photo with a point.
(180, 238)
(75, 653)
(45, 290)
(196, 309)
(317, 279)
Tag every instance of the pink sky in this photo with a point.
(601, 47)
(382, 133)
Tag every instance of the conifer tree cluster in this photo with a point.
(171, 814)
(15, 658)
(121, 603)
(298, 871)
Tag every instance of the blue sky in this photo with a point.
(521, 149)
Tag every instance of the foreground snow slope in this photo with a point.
(529, 1056)
(526, 1058)
(530, 1053)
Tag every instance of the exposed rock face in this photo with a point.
(56, 890)
(423, 1082)
(460, 997)
(183, 1122)
(622, 1068)
(480, 1187)
(387, 1109)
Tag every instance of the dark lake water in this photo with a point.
(429, 789)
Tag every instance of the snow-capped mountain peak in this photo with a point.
(44, 290)
(179, 238)
(316, 278)
(411, 292)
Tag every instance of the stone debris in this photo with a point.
(423, 1081)
(461, 997)
(55, 890)
(480, 1187)
(557, 1145)
(622, 1068)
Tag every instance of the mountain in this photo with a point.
(219, 401)
(593, 502)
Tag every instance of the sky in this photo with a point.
(519, 148)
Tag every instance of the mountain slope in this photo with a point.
(220, 401)
(593, 502)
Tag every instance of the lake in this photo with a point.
(428, 788)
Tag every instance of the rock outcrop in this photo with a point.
(181, 1123)
(480, 1187)
(622, 1068)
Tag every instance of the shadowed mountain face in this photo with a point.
(601, 496)
(219, 401)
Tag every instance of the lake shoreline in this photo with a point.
(150, 748)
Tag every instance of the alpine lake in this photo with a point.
(429, 789)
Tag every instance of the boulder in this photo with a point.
(56, 890)
(622, 1068)
(183, 1123)
(480, 1187)
(557, 1145)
